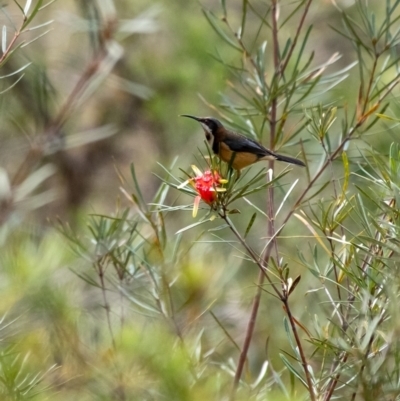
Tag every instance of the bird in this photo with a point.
(237, 149)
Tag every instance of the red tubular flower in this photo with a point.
(206, 184)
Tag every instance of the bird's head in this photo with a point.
(209, 124)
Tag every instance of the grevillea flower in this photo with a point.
(206, 184)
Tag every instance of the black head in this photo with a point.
(209, 124)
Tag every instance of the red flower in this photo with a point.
(207, 185)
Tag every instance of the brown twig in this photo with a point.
(249, 333)
(300, 348)
(255, 258)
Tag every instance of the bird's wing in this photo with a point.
(243, 144)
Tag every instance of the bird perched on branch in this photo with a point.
(235, 148)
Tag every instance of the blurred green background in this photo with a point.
(53, 318)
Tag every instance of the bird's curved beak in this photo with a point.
(189, 116)
(206, 128)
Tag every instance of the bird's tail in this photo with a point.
(290, 160)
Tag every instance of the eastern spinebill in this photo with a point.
(235, 148)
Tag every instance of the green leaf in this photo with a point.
(285, 197)
(223, 5)
(251, 222)
(140, 200)
(35, 38)
(213, 21)
(32, 15)
(142, 304)
(303, 45)
(193, 225)
(293, 370)
(230, 338)
(386, 117)
(296, 281)
(219, 228)
(255, 207)
(4, 39)
(12, 85)
(244, 15)
(16, 71)
(346, 173)
(87, 279)
(19, 6)
(289, 334)
(323, 186)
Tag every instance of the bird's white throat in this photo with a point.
(209, 135)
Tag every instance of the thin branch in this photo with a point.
(249, 333)
(13, 40)
(300, 348)
(370, 82)
(255, 258)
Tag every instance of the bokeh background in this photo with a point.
(168, 66)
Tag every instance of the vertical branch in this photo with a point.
(249, 333)
(271, 228)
